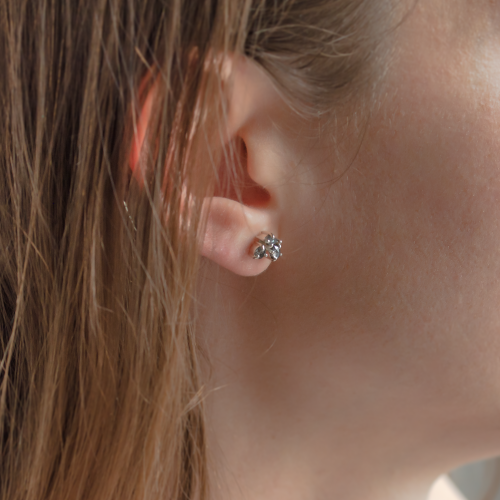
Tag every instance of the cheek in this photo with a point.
(407, 266)
(422, 237)
(438, 186)
(429, 181)
(431, 195)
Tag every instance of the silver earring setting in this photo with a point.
(269, 247)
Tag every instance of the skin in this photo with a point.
(366, 361)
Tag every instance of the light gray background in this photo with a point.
(479, 480)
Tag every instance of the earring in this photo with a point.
(269, 247)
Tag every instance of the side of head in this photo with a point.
(100, 391)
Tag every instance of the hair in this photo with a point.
(100, 390)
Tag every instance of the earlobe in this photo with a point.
(230, 237)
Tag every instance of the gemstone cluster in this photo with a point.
(269, 247)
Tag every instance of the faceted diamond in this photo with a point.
(274, 253)
(259, 252)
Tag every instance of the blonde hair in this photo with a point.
(100, 394)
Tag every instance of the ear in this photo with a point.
(233, 222)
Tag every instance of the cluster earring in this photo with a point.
(268, 246)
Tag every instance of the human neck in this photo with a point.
(288, 418)
(263, 446)
(255, 459)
